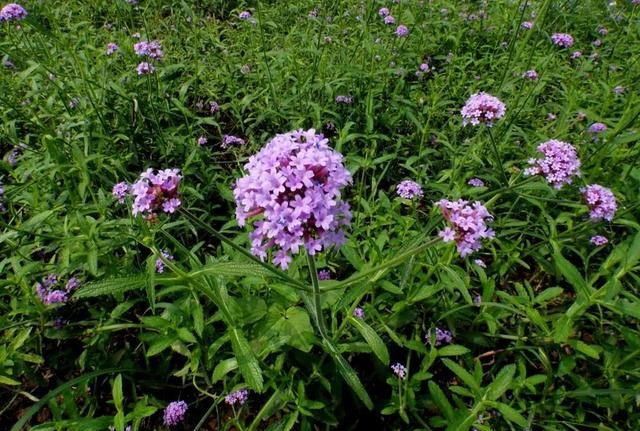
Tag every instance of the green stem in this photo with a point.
(317, 303)
(278, 273)
(497, 156)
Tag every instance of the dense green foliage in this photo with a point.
(546, 337)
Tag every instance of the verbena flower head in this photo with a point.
(202, 140)
(402, 31)
(174, 413)
(384, 12)
(112, 48)
(228, 140)
(389, 20)
(12, 12)
(399, 370)
(598, 240)
(482, 108)
(149, 49)
(597, 128)
(576, 54)
(443, 336)
(559, 165)
(618, 90)
(531, 75)
(603, 31)
(358, 313)
(238, 397)
(475, 182)
(408, 189)
(120, 191)
(245, 15)
(527, 25)
(145, 68)
(324, 274)
(294, 183)
(160, 264)
(601, 201)
(468, 224)
(480, 263)
(345, 100)
(563, 40)
(50, 291)
(156, 191)
(214, 107)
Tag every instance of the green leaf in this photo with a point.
(159, 344)
(441, 400)
(114, 286)
(463, 375)
(4, 380)
(373, 340)
(348, 373)
(223, 368)
(511, 414)
(295, 325)
(501, 383)
(453, 350)
(569, 272)
(116, 392)
(231, 269)
(247, 361)
(591, 351)
(562, 329)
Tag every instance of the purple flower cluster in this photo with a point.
(576, 54)
(531, 75)
(563, 40)
(145, 68)
(202, 140)
(559, 164)
(174, 413)
(238, 397)
(120, 191)
(324, 274)
(384, 12)
(345, 100)
(601, 201)
(408, 189)
(402, 31)
(245, 15)
(475, 182)
(112, 48)
(482, 108)
(160, 263)
(469, 224)
(443, 336)
(527, 25)
(50, 290)
(597, 128)
(294, 182)
(149, 49)
(598, 240)
(12, 12)
(358, 313)
(389, 20)
(399, 370)
(228, 140)
(424, 68)
(156, 191)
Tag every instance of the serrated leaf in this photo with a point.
(114, 286)
(158, 345)
(223, 368)
(511, 414)
(231, 269)
(348, 374)
(441, 400)
(501, 383)
(247, 361)
(453, 350)
(373, 340)
(464, 375)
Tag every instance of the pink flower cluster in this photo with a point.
(49, 291)
(229, 140)
(399, 370)
(563, 40)
(469, 224)
(598, 240)
(174, 413)
(149, 49)
(238, 397)
(294, 183)
(156, 191)
(482, 108)
(559, 164)
(601, 201)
